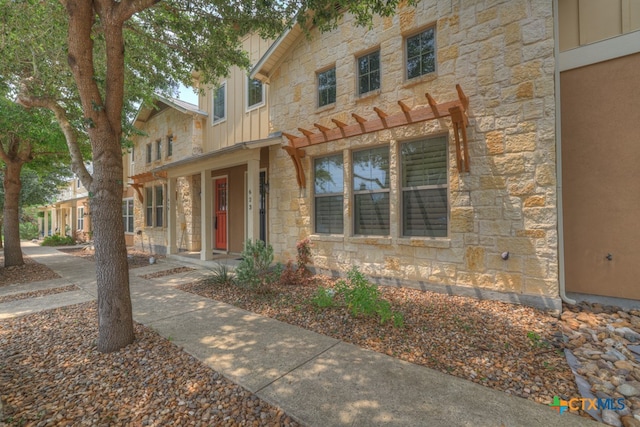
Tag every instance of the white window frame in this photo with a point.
(406, 52)
(262, 99)
(317, 196)
(357, 192)
(80, 219)
(215, 121)
(126, 216)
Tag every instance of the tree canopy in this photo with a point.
(92, 62)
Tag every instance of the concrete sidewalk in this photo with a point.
(317, 380)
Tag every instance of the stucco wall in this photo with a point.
(502, 56)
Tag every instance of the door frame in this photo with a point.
(246, 198)
(213, 214)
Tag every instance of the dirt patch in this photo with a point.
(164, 273)
(40, 293)
(31, 271)
(134, 257)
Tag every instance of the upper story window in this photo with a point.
(220, 103)
(371, 191)
(369, 72)
(158, 149)
(255, 93)
(328, 191)
(149, 152)
(80, 226)
(169, 145)
(421, 53)
(327, 87)
(424, 187)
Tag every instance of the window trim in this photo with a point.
(340, 194)
(322, 71)
(158, 149)
(411, 34)
(355, 192)
(359, 56)
(80, 218)
(262, 97)
(169, 150)
(154, 206)
(401, 189)
(125, 216)
(222, 119)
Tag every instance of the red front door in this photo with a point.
(220, 218)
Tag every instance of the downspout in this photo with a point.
(561, 271)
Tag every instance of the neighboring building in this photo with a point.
(200, 174)
(69, 215)
(457, 191)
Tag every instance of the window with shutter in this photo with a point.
(328, 192)
(425, 207)
(371, 191)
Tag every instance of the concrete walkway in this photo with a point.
(317, 380)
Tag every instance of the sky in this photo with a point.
(187, 94)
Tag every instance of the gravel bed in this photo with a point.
(52, 374)
(31, 271)
(40, 293)
(503, 346)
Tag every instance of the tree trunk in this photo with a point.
(1, 234)
(115, 319)
(12, 186)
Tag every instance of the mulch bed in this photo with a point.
(135, 258)
(31, 271)
(169, 272)
(503, 346)
(52, 374)
(39, 293)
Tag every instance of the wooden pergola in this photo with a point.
(142, 178)
(456, 109)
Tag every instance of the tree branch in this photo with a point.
(77, 161)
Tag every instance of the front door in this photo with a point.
(220, 215)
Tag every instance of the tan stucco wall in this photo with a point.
(601, 178)
(502, 56)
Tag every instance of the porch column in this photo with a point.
(45, 228)
(55, 228)
(206, 206)
(172, 200)
(253, 196)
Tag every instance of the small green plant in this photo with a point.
(364, 298)
(57, 240)
(255, 270)
(323, 298)
(221, 275)
(536, 341)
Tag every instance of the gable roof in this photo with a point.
(274, 55)
(144, 113)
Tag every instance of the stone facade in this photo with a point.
(501, 53)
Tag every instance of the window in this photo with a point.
(154, 204)
(169, 145)
(369, 72)
(421, 54)
(127, 215)
(424, 187)
(148, 199)
(328, 190)
(371, 191)
(158, 149)
(78, 183)
(159, 203)
(148, 153)
(255, 93)
(327, 87)
(80, 219)
(220, 103)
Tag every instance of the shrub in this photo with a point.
(323, 298)
(298, 274)
(303, 249)
(57, 240)
(255, 270)
(221, 275)
(364, 298)
(28, 231)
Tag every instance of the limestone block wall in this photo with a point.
(501, 53)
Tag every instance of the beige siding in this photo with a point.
(582, 22)
(240, 124)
